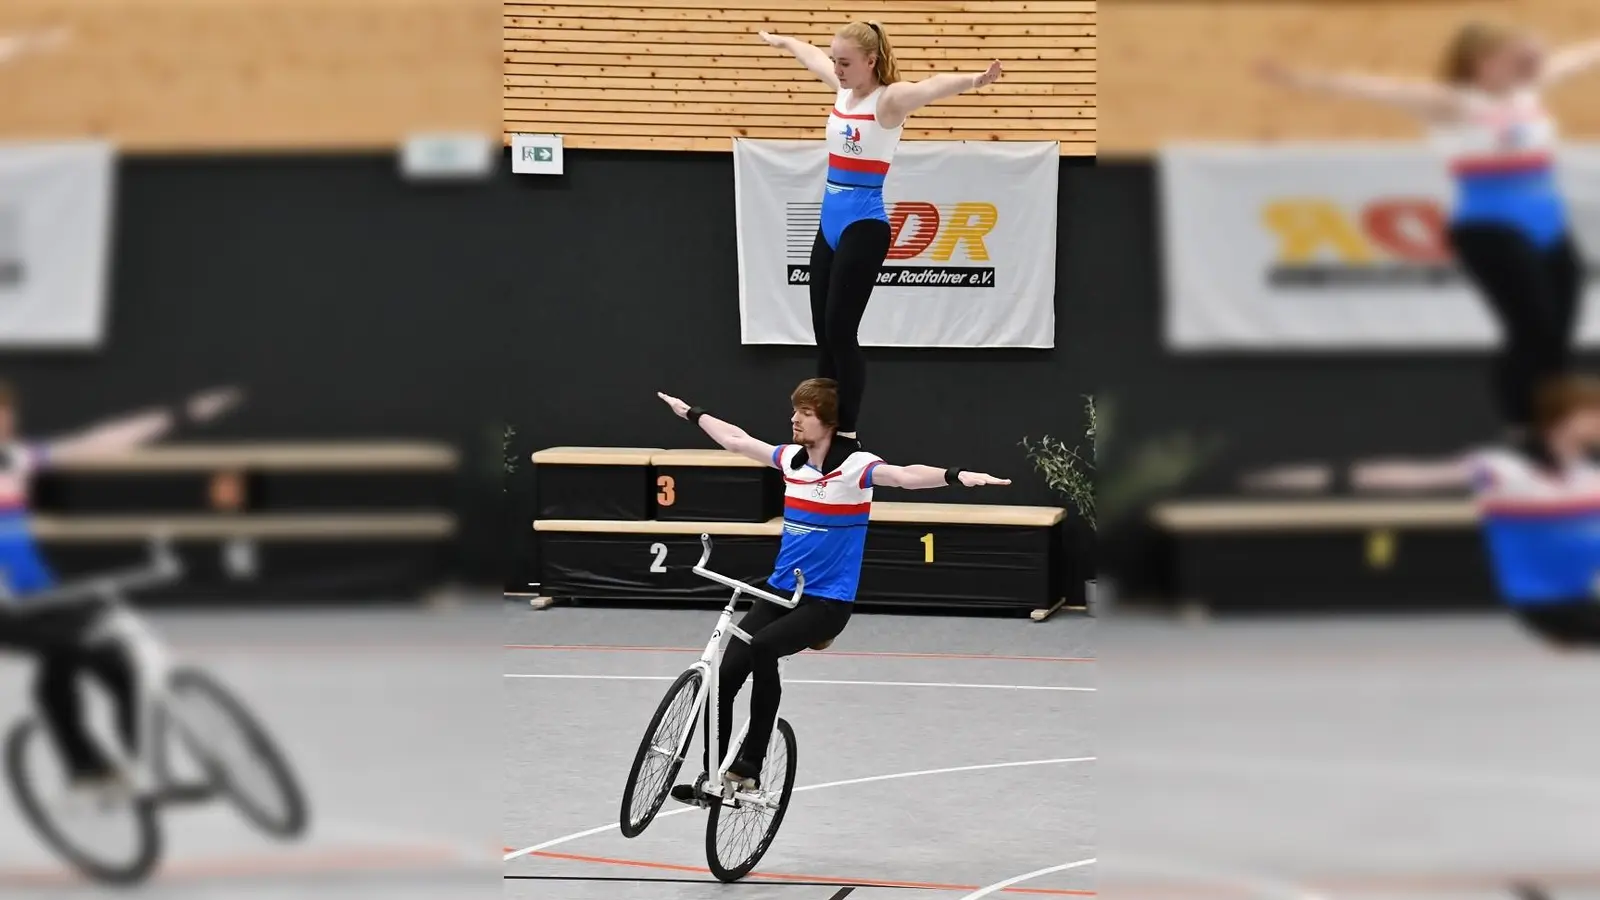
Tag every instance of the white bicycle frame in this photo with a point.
(710, 663)
(151, 660)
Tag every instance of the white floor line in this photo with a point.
(810, 787)
(1269, 886)
(789, 681)
(1002, 885)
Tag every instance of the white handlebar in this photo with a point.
(164, 568)
(739, 586)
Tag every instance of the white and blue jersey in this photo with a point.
(1542, 527)
(859, 153)
(1502, 158)
(22, 571)
(824, 523)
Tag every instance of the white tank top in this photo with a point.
(856, 141)
(1499, 135)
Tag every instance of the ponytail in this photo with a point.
(888, 70)
(872, 40)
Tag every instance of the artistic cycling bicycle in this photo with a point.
(186, 719)
(742, 823)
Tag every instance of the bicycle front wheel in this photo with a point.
(656, 764)
(239, 757)
(739, 832)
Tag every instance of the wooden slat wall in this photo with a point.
(226, 75)
(692, 74)
(1184, 70)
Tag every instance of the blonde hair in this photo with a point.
(872, 39)
(1472, 42)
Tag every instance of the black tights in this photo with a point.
(1575, 624)
(1534, 294)
(841, 283)
(55, 636)
(775, 632)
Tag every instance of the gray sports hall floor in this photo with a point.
(1379, 758)
(965, 746)
(377, 711)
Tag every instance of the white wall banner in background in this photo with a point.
(972, 262)
(1333, 247)
(56, 207)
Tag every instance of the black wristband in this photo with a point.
(952, 475)
(694, 414)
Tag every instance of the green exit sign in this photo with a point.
(536, 154)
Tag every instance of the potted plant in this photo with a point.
(1157, 466)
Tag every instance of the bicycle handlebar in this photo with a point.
(739, 586)
(164, 567)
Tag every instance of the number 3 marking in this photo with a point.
(665, 496)
(660, 550)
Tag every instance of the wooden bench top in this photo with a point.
(594, 456)
(770, 528)
(1340, 513)
(263, 526)
(306, 457)
(712, 458)
(966, 514)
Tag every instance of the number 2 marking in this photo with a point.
(927, 544)
(660, 550)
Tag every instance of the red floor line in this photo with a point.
(832, 879)
(866, 653)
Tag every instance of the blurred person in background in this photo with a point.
(16, 46)
(1538, 500)
(1509, 228)
(56, 636)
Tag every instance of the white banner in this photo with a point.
(972, 260)
(55, 231)
(1332, 247)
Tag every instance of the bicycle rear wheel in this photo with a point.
(656, 764)
(38, 781)
(738, 834)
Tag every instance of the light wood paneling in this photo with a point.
(1185, 70)
(224, 75)
(691, 74)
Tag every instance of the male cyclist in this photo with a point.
(827, 504)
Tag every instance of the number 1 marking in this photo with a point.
(927, 544)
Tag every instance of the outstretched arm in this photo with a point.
(1570, 61)
(920, 478)
(1430, 101)
(1411, 475)
(128, 432)
(812, 57)
(731, 437)
(903, 98)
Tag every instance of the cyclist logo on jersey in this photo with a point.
(1516, 135)
(852, 139)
